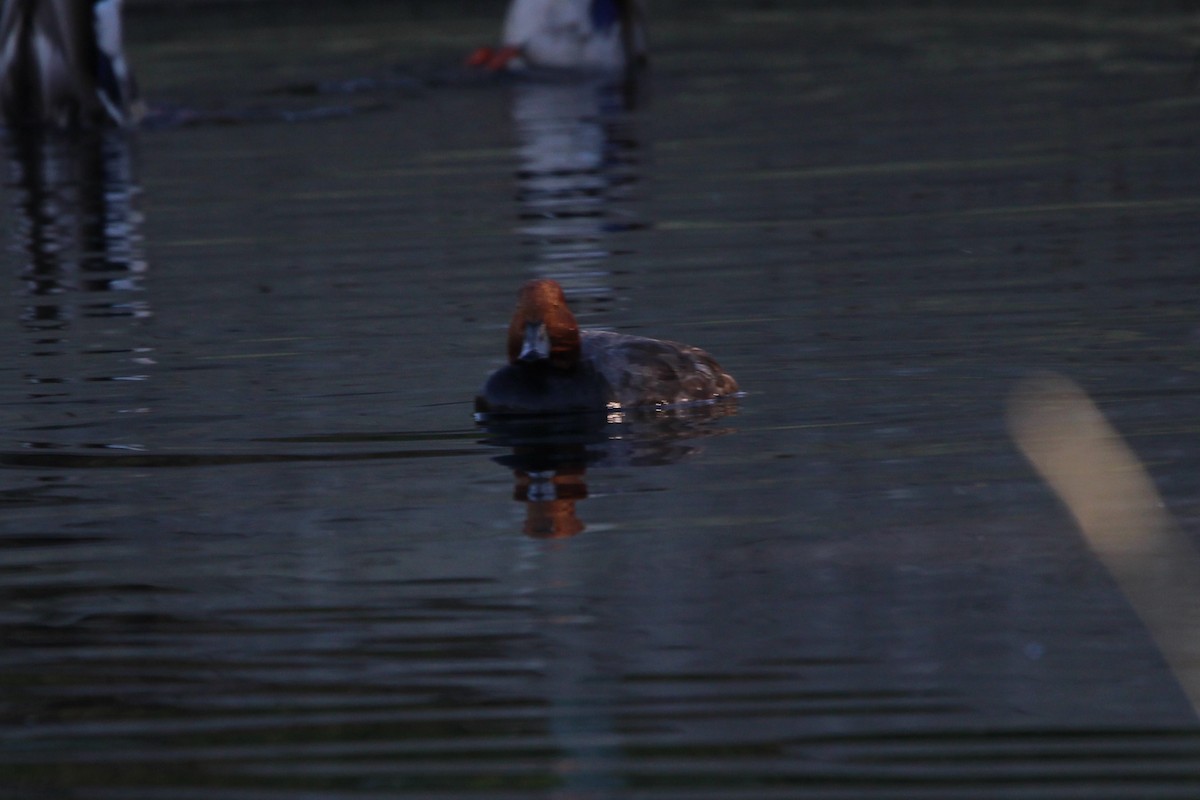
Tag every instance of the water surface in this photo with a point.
(255, 546)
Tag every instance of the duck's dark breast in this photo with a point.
(538, 388)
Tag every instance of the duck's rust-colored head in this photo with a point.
(543, 328)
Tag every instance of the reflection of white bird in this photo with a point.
(592, 35)
(579, 168)
(62, 63)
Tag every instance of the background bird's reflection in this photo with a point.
(579, 159)
(79, 255)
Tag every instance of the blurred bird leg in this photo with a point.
(1100, 480)
(493, 60)
(480, 57)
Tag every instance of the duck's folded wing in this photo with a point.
(645, 371)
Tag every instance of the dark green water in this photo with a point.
(252, 544)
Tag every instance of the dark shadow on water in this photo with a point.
(105, 457)
(550, 455)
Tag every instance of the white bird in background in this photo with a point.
(62, 64)
(588, 35)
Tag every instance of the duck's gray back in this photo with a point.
(644, 371)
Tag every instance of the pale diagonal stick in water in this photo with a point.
(1100, 480)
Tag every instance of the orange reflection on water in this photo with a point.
(550, 499)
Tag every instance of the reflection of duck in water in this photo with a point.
(550, 496)
(551, 454)
(588, 35)
(62, 63)
(556, 368)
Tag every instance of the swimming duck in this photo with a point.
(588, 35)
(62, 64)
(556, 368)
